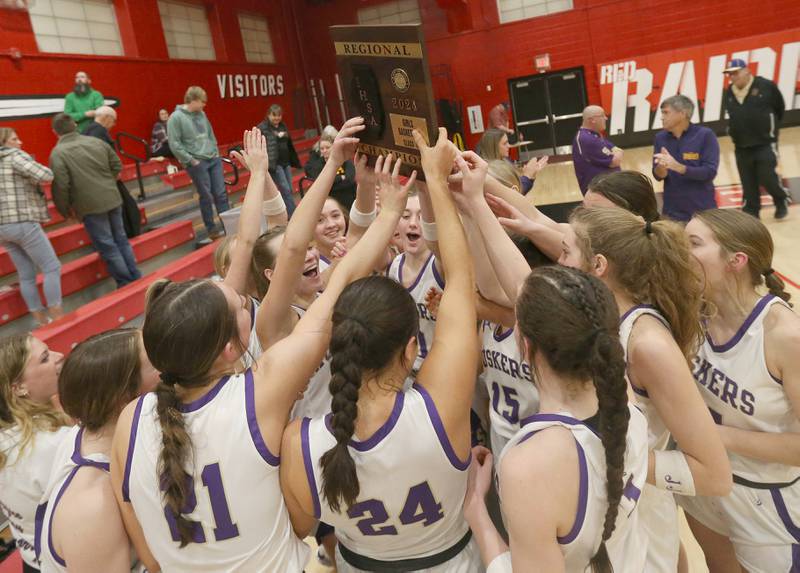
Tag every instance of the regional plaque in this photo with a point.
(384, 77)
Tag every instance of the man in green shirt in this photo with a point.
(81, 102)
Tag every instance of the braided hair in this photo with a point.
(571, 318)
(373, 320)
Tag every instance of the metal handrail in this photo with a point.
(235, 171)
(138, 160)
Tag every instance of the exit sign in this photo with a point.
(542, 62)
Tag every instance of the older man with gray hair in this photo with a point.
(686, 158)
(104, 119)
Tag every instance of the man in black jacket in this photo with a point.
(755, 106)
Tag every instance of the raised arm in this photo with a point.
(363, 211)
(254, 156)
(275, 318)
(284, 369)
(448, 372)
(510, 266)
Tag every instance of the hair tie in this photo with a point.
(768, 272)
(648, 228)
(168, 379)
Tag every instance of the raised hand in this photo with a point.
(437, 161)
(346, 142)
(532, 167)
(254, 154)
(392, 193)
(473, 171)
(509, 216)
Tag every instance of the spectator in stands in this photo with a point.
(22, 211)
(81, 103)
(344, 184)
(593, 154)
(159, 140)
(104, 119)
(494, 145)
(686, 158)
(282, 155)
(192, 141)
(498, 119)
(85, 187)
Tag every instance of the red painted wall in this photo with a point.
(484, 53)
(146, 79)
(595, 31)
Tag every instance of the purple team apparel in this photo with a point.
(591, 156)
(698, 149)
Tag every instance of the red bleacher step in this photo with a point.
(56, 218)
(64, 240)
(122, 305)
(86, 271)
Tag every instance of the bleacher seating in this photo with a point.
(170, 217)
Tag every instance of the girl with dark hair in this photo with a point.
(31, 429)
(387, 468)
(585, 433)
(196, 462)
(748, 373)
(78, 526)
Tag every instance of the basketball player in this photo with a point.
(78, 525)
(31, 429)
(418, 268)
(197, 485)
(571, 477)
(748, 372)
(659, 329)
(388, 467)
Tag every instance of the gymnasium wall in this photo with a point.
(145, 79)
(485, 54)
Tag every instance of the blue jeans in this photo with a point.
(31, 252)
(283, 179)
(210, 184)
(108, 237)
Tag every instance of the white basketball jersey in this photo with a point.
(241, 520)
(67, 461)
(316, 400)
(627, 547)
(658, 435)
(427, 279)
(740, 392)
(508, 379)
(23, 481)
(412, 483)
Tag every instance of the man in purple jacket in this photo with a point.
(593, 154)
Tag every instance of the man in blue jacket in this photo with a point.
(686, 158)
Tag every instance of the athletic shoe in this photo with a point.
(781, 210)
(216, 233)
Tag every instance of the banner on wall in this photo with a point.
(632, 90)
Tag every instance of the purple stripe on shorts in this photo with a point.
(742, 329)
(126, 478)
(205, 399)
(252, 421)
(441, 433)
(783, 513)
(381, 432)
(583, 496)
(64, 487)
(312, 481)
